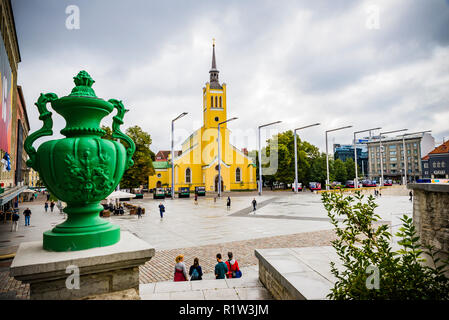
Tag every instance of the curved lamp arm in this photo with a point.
(46, 130)
(116, 133)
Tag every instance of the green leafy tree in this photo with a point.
(340, 172)
(349, 164)
(143, 157)
(363, 247)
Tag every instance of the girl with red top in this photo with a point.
(180, 269)
(233, 267)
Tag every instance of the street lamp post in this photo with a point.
(381, 154)
(296, 156)
(260, 154)
(356, 179)
(403, 149)
(327, 154)
(219, 155)
(173, 154)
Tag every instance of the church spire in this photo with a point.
(214, 65)
(214, 84)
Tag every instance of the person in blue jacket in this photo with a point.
(161, 210)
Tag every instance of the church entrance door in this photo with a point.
(216, 184)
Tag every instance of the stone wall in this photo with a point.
(431, 215)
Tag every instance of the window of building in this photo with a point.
(221, 105)
(443, 164)
(211, 102)
(426, 165)
(188, 176)
(392, 147)
(216, 102)
(392, 153)
(393, 159)
(237, 175)
(434, 165)
(438, 164)
(159, 175)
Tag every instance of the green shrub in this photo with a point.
(362, 245)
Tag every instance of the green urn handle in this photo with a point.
(118, 134)
(46, 130)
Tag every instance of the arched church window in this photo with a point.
(216, 102)
(221, 106)
(188, 176)
(237, 175)
(211, 102)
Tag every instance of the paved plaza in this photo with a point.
(282, 219)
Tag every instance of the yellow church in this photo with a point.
(196, 165)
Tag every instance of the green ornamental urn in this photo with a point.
(81, 169)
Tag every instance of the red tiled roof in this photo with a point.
(163, 155)
(425, 157)
(443, 148)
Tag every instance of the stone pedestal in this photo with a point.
(110, 272)
(431, 216)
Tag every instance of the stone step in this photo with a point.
(246, 288)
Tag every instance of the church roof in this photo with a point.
(161, 164)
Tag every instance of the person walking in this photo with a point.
(27, 214)
(220, 268)
(48, 196)
(180, 269)
(195, 271)
(196, 199)
(139, 212)
(46, 206)
(161, 210)
(411, 196)
(233, 267)
(15, 221)
(254, 202)
(228, 203)
(52, 205)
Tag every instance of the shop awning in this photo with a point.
(11, 194)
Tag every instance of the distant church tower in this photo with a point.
(214, 98)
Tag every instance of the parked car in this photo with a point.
(314, 186)
(349, 184)
(336, 185)
(388, 182)
(158, 193)
(184, 192)
(167, 192)
(299, 186)
(200, 191)
(369, 183)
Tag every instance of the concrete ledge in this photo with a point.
(429, 187)
(102, 270)
(297, 273)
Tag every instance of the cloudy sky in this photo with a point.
(379, 63)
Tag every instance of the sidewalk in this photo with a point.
(248, 287)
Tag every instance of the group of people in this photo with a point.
(228, 202)
(16, 217)
(228, 269)
(52, 206)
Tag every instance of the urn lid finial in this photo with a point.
(83, 82)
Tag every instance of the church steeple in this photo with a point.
(214, 84)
